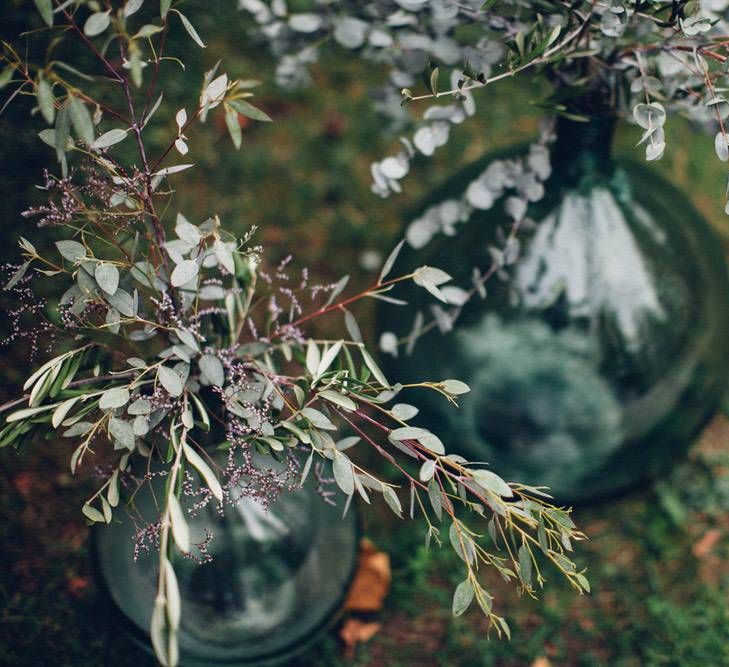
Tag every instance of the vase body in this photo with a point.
(275, 579)
(594, 363)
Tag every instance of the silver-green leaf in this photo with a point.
(170, 380)
(343, 474)
(107, 277)
(81, 120)
(490, 481)
(180, 529)
(390, 261)
(184, 272)
(96, 23)
(190, 29)
(73, 251)
(113, 398)
(249, 111)
(45, 8)
(109, 138)
(212, 369)
(462, 597)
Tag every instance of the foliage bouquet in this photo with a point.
(165, 340)
(640, 59)
(547, 220)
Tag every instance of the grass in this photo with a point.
(659, 592)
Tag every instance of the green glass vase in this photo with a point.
(273, 581)
(598, 358)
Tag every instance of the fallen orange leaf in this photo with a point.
(541, 661)
(355, 632)
(77, 585)
(706, 543)
(371, 581)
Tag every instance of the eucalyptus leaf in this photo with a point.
(107, 277)
(338, 399)
(205, 472)
(461, 542)
(113, 398)
(345, 443)
(148, 30)
(190, 29)
(350, 322)
(188, 338)
(81, 120)
(109, 138)
(59, 414)
(170, 380)
(73, 251)
(462, 597)
(492, 482)
(18, 275)
(46, 101)
(123, 302)
(313, 357)
(184, 272)
(374, 368)
(224, 255)
(180, 529)
(249, 111)
(393, 502)
(390, 261)
(525, 565)
(158, 621)
(455, 387)
(45, 8)
(343, 473)
(92, 514)
(337, 290)
(112, 494)
(212, 369)
(61, 136)
(140, 406)
(97, 23)
(430, 277)
(172, 591)
(403, 411)
(318, 419)
(427, 470)
(132, 6)
(327, 359)
(122, 433)
(305, 470)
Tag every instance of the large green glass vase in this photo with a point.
(274, 579)
(601, 355)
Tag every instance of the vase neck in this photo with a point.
(582, 150)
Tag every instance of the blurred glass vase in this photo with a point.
(266, 583)
(601, 350)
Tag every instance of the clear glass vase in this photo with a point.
(274, 579)
(596, 362)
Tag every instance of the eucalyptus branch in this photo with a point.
(178, 348)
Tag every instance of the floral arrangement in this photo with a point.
(166, 339)
(648, 58)
(640, 59)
